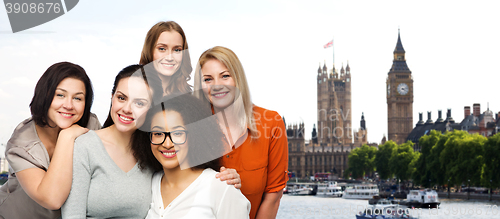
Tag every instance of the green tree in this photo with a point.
(361, 161)
(434, 166)
(447, 159)
(462, 157)
(412, 167)
(382, 157)
(422, 173)
(355, 164)
(491, 167)
(400, 160)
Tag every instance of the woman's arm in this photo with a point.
(51, 188)
(230, 176)
(277, 170)
(76, 204)
(270, 205)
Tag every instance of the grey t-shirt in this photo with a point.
(25, 150)
(100, 188)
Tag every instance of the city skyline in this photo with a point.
(450, 49)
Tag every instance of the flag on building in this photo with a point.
(328, 45)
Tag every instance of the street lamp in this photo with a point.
(448, 188)
(491, 187)
(468, 190)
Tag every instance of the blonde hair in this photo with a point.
(180, 78)
(233, 64)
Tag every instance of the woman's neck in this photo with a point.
(116, 137)
(230, 124)
(179, 178)
(165, 81)
(48, 136)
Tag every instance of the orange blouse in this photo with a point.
(262, 162)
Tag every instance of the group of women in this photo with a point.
(158, 151)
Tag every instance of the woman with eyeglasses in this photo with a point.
(184, 147)
(256, 135)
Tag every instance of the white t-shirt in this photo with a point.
(206, 197)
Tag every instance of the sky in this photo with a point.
(451, 48)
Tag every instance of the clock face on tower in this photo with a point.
(403, 89)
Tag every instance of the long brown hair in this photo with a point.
(179, 79)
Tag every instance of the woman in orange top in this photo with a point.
(257, 135)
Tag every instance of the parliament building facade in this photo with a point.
(332, 137)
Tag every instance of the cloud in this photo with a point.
(20, 81)
(4, 95)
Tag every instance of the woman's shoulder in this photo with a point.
(24, 135)
(221, 192)
(208, 176)
(93, 123)
(157, 176)
(88, 139)
(265, 113)
(90, 135)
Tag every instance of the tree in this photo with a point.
(382, 157)
(422, 173)
(361, 161)
(462, 157)
(412, 167)
(355, 167)
(491, 167)
(434, 166)
(400, 160)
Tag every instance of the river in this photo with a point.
(322, 207)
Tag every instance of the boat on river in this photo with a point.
(299, 189)
(330, 189)
(424, 198)
(361, 191)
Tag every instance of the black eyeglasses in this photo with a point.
(177, 137)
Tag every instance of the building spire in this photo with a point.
(363, 122)
(399, 46)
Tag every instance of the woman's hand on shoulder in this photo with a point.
(73, 132)
(230, 176)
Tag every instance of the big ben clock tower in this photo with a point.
(399, 97)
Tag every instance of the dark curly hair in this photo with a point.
(205, 139)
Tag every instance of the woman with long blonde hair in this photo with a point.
(256, 135)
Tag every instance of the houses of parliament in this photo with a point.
(332, 137)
